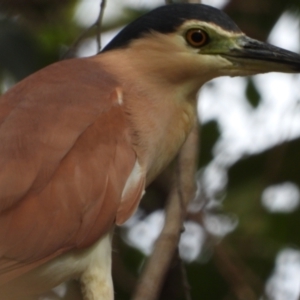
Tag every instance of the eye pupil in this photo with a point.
(196, 37)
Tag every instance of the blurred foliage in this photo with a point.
(34, 33)
(252, 94)
(209, 136)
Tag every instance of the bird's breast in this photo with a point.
(159, 129)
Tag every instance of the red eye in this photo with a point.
(196, 37)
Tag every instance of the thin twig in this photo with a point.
(192, 1)
(99, 23)
(71, 51)
(184, 1)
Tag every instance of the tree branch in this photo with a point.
(71, 51)
(99, 23)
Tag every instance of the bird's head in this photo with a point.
(196, 41)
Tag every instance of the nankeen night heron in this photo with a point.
(82, 138)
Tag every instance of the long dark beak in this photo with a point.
(259, 57)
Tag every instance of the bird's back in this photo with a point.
(65, 156)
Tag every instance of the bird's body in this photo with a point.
(81, 139)
(71, 141)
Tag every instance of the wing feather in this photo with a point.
(65, 156)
